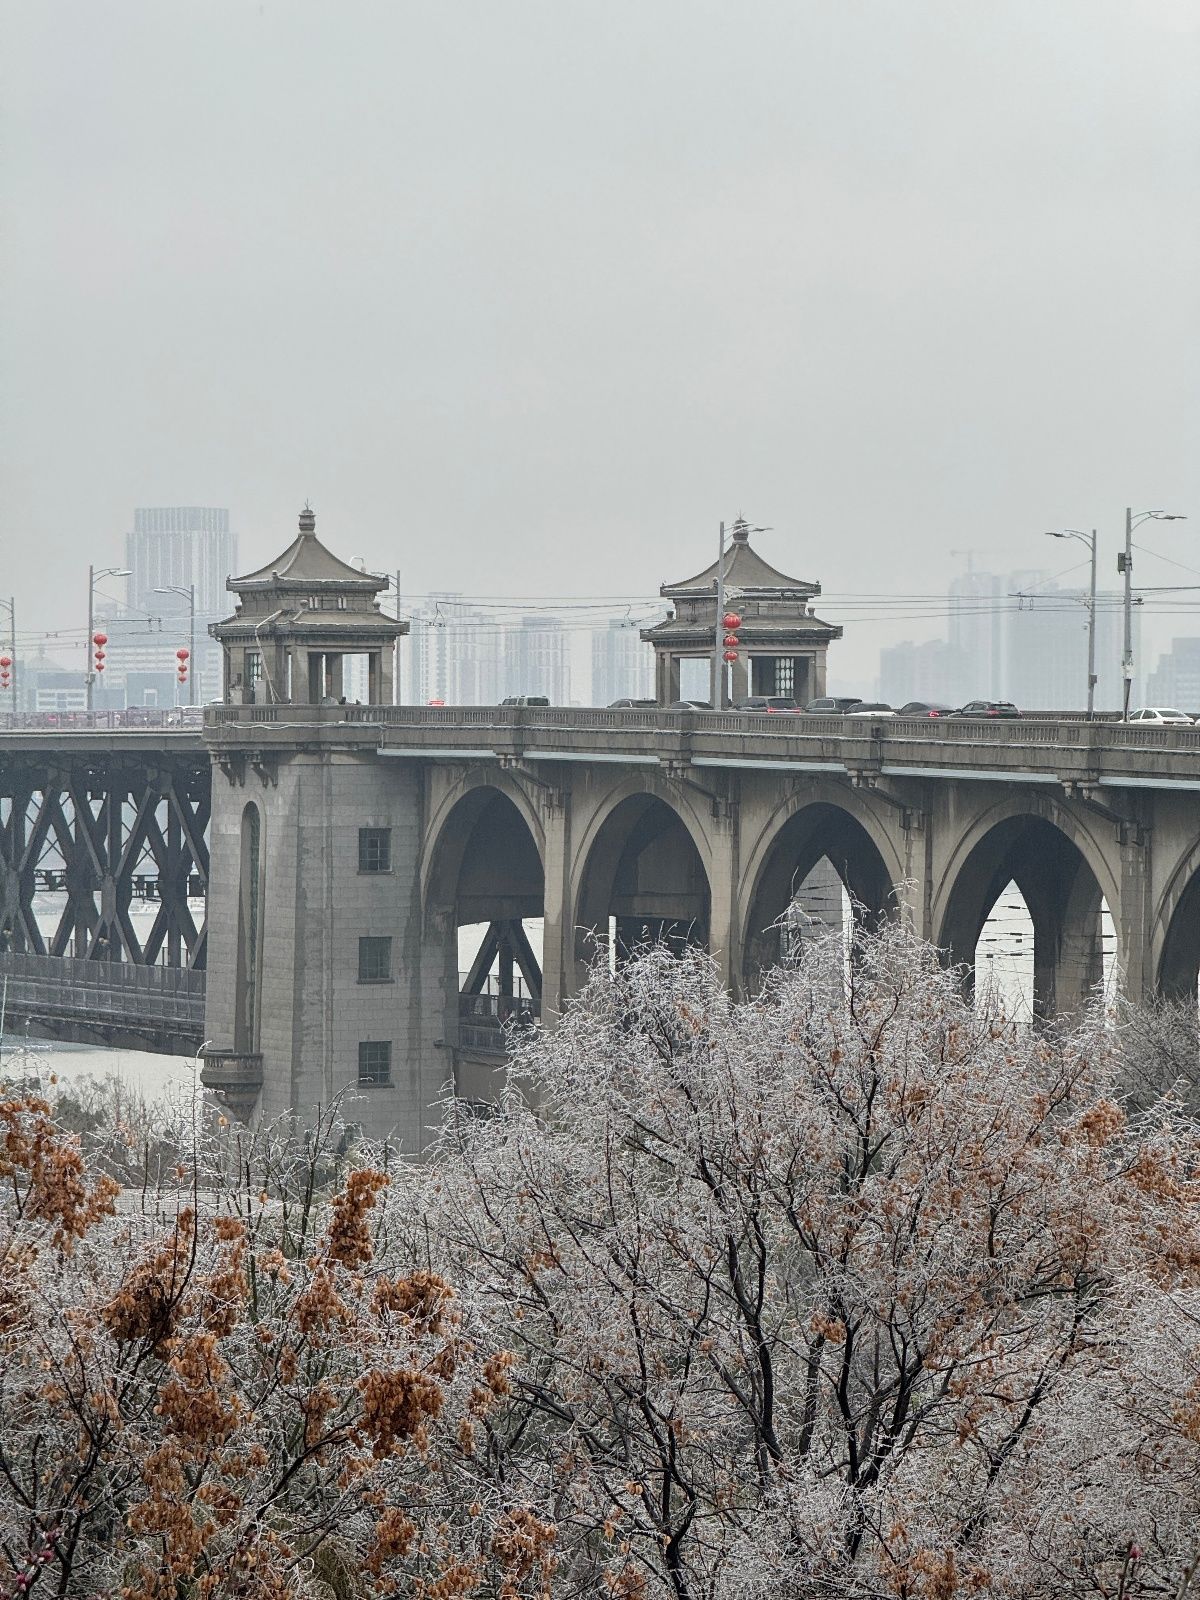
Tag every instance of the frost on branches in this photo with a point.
(841, 1292)
(845, 1293)
(237, 1389)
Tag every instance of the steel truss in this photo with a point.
(104, 830)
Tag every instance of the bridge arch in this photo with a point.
(1064, 880)
(484, 869)
(1177, 932)
(642, 870)
(821, 822)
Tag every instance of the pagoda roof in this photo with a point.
(745, 569)
(306, 562)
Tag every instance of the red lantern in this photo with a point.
(99, 666)
(99, 657)
(99, 638)
(182, 655)
(731, 640)
(731, 655)
(731, 620)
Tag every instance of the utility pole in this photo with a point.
(396, 700)
(1127, 647)
(718, 664)
(1091, 710)
(88, 674)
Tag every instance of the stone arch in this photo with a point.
(1062, 877)
(817, 823)
(485, 866)
(1177, 932)
(642, 871)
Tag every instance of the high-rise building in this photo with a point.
(537, 659)
(622, 666)
(452, 654)
(1176, 680)
(176, 547)
(1046, 650)
(928, 671)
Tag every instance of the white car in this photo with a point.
(1162, 717)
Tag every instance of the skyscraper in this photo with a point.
(537, 659)
(622, 666)
(175, 547)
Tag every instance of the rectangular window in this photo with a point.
(253, 666)
(374, 849)
(374, 1061)
(374, 960)
(785, 675)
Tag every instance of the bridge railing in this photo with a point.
(109, 993)
(1049, 729)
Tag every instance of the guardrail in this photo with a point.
(105, 993)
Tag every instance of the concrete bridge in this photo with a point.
(349, 845)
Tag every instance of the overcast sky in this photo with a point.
(527, 295)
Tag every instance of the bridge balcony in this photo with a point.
(482, 1020)
(103, 1001)
(236, 1076)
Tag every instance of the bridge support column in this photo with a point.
(1136, 912)
(558, 932)
(724, 940)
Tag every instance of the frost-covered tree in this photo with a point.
(848, 1290)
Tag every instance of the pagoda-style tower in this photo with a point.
(297, 619)
(782, 644)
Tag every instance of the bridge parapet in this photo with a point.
(65, 997)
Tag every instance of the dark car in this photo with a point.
(926, 708)
(689, 705)
(632, 705)
(833, 705)
(766, 702)
(987, 708)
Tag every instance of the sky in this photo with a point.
(526, 296)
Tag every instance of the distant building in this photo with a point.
(1046, 650)
(453, 654)
(928, 671)
(1176, 680)
(175, 547)
(537, 659)
(622, 667)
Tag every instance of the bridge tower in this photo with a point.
(782, 643)
(298, 620)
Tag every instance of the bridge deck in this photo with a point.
(90, 1002)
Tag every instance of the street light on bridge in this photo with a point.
(1090, 541)
(1125, 565)
(188, 591)
(94, 574)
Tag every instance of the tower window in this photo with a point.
(374, 960)
(375, 1061)
(374, 849)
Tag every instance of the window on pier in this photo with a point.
(374, 960)
(374, 849)
(375, 1061)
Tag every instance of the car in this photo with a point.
(690, 705)
(632, 705)
(1161, 717)
(987, 708)
(766, 702)
(871, 708)
(926, 708)
(525, 700)
(832, 705)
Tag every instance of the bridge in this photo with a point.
(340, 851)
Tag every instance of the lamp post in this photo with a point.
(1125, 565)
(188, 591)
(89, 676)
(1090, 541)
(11, 607)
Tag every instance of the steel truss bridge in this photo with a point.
(103, 885)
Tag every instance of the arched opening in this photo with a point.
(823, 872)
(249, 942)
(486, 900)
(1028, 921)
(1179, 966)
(643, 882)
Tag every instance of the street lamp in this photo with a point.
(89, 676)
(188, 591)
(1125, 565)
(1090, 540)
(11, 606)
